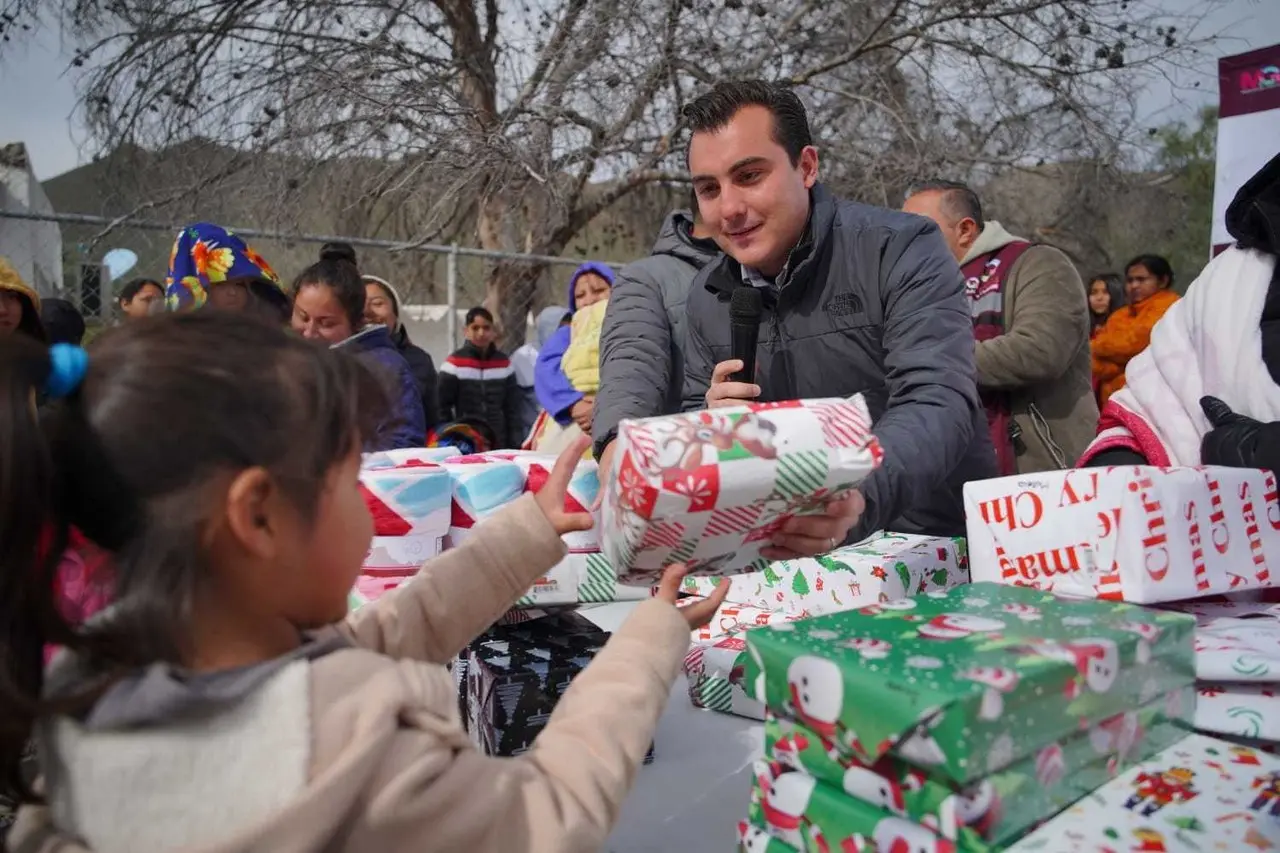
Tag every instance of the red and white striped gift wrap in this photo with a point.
(410, 509)
(711, 488)
(1140, 534)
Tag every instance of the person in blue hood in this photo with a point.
(328, 306)
(590, 284)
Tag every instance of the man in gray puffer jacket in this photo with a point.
(642, 343)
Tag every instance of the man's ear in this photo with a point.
(969, 232)
(809, 166)
(252, 510)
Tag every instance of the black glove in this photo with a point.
(1237, 441)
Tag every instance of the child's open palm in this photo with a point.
(551, 496)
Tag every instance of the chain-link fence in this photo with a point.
(64, 254)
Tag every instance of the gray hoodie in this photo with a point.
(524, 359)
(642, 343)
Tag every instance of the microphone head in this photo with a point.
(746, 305)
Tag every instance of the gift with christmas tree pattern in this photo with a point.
(1000, 808)
(885, 567)
(711, 488)
(964, 682)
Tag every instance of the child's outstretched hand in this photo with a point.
(699, 613)
(551, 498)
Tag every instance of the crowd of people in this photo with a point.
(180, 512)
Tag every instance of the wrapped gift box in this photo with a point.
(885, 568)
(753, 839)
(407, 457)
(581, 578)
(516, 675)
(1198, 795)
(962, 683)
(1145, 535)
(1003, 806)
(710, 488)
(716, 661)
(584, 486)
(794, 808)
(481, 487)
(410, 506)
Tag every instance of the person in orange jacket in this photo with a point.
(1149, 285)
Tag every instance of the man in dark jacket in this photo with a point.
(858, 299)
(642, 343)
(478, 381)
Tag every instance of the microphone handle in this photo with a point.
(743, 347)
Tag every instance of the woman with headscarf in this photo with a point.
(328, 307)
(1148, 283)
(564, 403)
(211, 266)
(382, 306)
(1207, 389)
(19, 305)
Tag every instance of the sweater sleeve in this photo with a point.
(564, 795)
(463, 591)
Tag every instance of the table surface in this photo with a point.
(696, 790)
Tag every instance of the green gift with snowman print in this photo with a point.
(961, 683)
(995, 811)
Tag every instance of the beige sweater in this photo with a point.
(362, 749)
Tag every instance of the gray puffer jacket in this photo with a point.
(642, 343)
(872, 302)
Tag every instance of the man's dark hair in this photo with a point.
(479, 311)
(959, 201)
(1157, 265)
(715, 109)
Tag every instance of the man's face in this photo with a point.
(959, 234)
(480, 332)
(751, 197)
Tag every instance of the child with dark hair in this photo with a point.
(478, 382)
(62, 322)
(226, 696)
(140, 298)
(328, 306)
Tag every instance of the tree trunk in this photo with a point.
(512, 287)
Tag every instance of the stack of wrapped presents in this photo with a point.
(961, 717)
(1105, 683)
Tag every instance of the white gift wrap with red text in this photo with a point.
(711, 488)
(410, 509)
(1141, 534)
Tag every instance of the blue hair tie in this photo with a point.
(68, 364)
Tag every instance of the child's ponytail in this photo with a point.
(32, 537)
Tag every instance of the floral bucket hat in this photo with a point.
(204, 255)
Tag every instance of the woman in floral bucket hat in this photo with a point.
(211, 265)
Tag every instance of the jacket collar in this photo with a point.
(802, 263)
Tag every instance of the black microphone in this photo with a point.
(745, 309)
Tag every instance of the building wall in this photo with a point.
(34, 248)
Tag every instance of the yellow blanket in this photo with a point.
(581, 361)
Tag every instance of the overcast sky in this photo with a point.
(37, 101)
